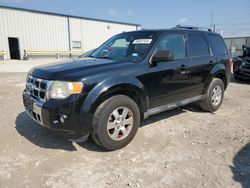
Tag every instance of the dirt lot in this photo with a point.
(181, 148)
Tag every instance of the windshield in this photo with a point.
(126, 46)
(87, 54)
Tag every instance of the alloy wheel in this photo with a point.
(120, 123)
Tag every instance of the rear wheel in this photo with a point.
(214, 96)
(115, 122)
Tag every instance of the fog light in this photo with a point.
(62, 119)
(59, 120)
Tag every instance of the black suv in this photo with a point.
(130, 77)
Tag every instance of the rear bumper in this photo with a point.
(59, 115)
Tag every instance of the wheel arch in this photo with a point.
(218, 71)
(124, 89)
(132, 88)
(223, 77)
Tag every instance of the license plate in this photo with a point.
(28, 102)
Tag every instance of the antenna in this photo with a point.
(211, 19)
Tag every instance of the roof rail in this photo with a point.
(191, 27)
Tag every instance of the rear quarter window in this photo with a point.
(217, 44)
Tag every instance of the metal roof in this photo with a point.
(236, 37)
(67, 15)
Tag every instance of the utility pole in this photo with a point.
(211, 19)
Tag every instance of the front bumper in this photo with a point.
(58, 115)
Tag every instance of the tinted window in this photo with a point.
(217, 44)
(120, 43)
(198, 46)
(174, 43)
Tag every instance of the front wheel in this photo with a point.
(214, 96)
(115, 122)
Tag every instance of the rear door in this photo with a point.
(219, 50)
(201, 62)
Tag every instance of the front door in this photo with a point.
(14, 48)
(168, 82)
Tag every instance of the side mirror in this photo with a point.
(163, 56)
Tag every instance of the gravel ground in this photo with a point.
(180, 148)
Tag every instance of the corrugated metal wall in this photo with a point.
(34, 31)
(234, 45)
(93, 33)
(41, 31)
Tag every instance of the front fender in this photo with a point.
(112, 85)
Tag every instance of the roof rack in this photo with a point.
(191, 27)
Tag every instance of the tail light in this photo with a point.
(231, 64)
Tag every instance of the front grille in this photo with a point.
(37, 88)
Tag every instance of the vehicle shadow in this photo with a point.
(193, 107)
(161, 116)
(45, 138)
(241, 168)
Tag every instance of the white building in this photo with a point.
(22, 29)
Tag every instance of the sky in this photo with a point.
(231, 17)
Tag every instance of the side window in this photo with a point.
(175, 43)
(197, 46)
(217, 44)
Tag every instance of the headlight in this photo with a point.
(62, 90)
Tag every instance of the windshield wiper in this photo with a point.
(104, 57)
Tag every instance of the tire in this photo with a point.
(113, 131)
(214, 96)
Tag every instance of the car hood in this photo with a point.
(76, 70)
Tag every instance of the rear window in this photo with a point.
(217, 44)
(198, 46)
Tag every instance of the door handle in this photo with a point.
(183, 67)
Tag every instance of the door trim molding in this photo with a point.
(171, 106)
